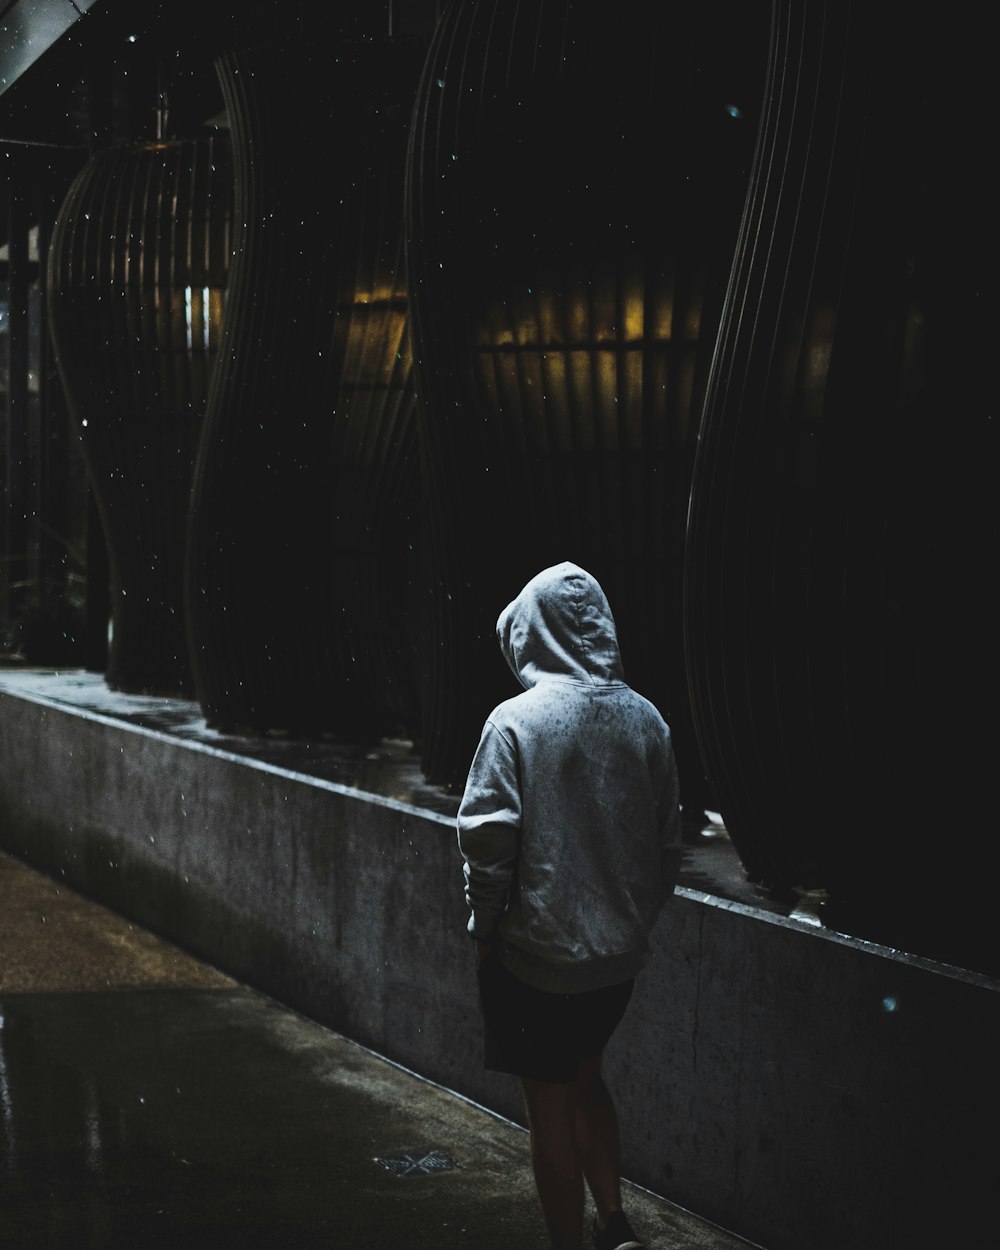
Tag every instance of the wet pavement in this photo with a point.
(147, 1101)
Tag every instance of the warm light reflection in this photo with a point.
(633, 319)
(377, 347)
(592, 318)
(371, 333)
(381, 295)
(581, 372)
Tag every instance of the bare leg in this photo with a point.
(597, 1139)
(555, 1160)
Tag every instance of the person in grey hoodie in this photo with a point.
(570, 833)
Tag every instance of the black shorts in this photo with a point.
(542, 1036)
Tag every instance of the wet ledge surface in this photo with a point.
(392, 770)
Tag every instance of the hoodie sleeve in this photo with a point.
(489, 829)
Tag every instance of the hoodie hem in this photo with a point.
(576, 977)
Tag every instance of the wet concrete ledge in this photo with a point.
(805, 1090)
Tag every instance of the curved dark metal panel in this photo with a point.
(137, 271)
(302, 527)
(837, 620)
(575, 181)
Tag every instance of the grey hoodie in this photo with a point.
(570, 824)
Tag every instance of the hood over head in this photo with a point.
(560, 625)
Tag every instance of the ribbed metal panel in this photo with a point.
(840, 628)
(137, 272)
(575, 182)
(302, 540)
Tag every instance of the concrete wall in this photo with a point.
(806, 1091)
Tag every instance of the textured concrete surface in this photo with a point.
(149, 1101)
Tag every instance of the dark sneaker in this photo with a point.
(617, 1235)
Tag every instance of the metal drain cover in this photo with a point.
(417, 1165)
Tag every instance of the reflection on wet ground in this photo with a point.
(391, 770)
(148, 1102)
(212, 1118)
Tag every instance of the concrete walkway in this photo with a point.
(149, 1101)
